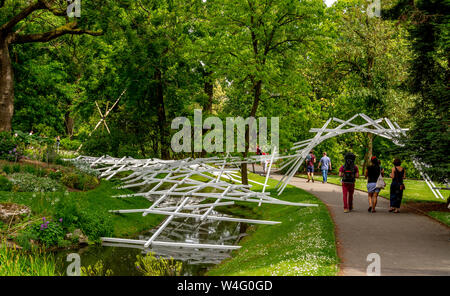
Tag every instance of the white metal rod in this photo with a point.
(170, 244)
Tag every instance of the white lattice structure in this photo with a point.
(391, 131)
(177, 188)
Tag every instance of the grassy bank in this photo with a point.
(94, 202)
(444, 217)
(303, 244)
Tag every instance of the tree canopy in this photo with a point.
(300, 61)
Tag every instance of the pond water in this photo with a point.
(121, 258)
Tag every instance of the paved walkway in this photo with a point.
(408, 243)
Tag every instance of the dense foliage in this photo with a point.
(300, 61)
(429, 78)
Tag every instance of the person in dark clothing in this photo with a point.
(373, 171)
(310, 161)
(397, 186)
(349, 173)
(58, 143)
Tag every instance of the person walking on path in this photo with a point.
(397, 186)
(58, 142)
(349, 172)
(325, 165)
(310, 161)
(373, 171)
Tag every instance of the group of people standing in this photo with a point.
(324, 165)
(374, 174)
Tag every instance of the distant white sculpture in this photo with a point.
(103, 116)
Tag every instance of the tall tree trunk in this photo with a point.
(209, 91)
(6, 86)
(256, 98)
(369, 152)
(370, 146)
(161, 115)
(207, 108)
(68, 120)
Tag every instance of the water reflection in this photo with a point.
(120, 258)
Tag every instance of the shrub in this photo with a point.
(79, 181)
(48, 233)
(25, 182)
(91, 223)
(16, 168)
(5, 184)
(67, 208)
(60, 161)
(41, 172)
(55, 175)
(101, 143)
(7, 169)
(68, 144)
(70, 180)
(95, 226)
(88, 182)
(30, 169)
(8, 147)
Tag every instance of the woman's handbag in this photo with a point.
(380, 182)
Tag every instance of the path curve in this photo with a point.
(408, 243)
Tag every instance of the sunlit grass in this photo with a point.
(303, 244)
(444, 217)
(14, 262)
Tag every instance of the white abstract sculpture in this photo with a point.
(302, 148)
(176, 188)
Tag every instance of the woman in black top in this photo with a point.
(373, 171)
(397, 186)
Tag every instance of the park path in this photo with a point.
(408, 243)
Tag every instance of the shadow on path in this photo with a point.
(407, 243)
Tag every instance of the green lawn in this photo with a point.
(416, 190)
(98, 200)
(303, 244)
(444, 217)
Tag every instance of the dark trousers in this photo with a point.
(396, 195)
(347, 191)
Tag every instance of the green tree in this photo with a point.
(368, 65)
(19, 22)
(260, 44)
(428, 26)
